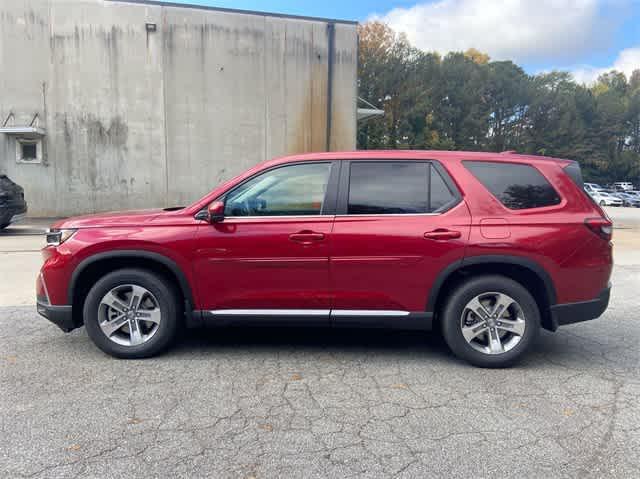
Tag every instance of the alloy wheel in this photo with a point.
(492, 323)
(129, 315)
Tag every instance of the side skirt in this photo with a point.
(343, 318)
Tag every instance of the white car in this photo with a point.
(589, 187)
(605, 199)
(623, 186)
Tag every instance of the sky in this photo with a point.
(585, 37)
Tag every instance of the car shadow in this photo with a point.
(288, 339)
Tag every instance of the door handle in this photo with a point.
(442, 234)
(306, 237)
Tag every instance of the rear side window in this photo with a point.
(516, 186)
(396, 187)
(574, 172)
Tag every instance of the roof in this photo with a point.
(418, 155)
(25, 131)
(233, 10)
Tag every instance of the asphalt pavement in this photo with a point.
(255, 403)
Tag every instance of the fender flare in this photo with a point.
(531, 265)
(148, 255)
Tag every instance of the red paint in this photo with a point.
(350, 262)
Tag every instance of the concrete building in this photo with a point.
(113, 104)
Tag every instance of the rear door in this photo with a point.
(398, 225)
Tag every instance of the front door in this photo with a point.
(398, 224)
(270, 254)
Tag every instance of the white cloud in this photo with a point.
(627, 61)
(519, 30)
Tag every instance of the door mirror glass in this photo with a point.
(216, 212)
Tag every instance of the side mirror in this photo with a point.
(216, 212)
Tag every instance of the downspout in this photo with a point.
(331, 31)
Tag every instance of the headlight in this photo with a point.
(55, 237)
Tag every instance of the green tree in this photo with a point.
(466, 101)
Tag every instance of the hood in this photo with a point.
(115, 218)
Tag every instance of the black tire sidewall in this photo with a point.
(166, 297)
(452, 313)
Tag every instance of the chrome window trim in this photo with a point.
(229, 218)
(390, 214)
(271, 217)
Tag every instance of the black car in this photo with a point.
(13, 207)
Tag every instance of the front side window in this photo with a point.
(396, 187)
(516, 186)
(287, 191)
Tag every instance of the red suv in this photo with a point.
(488, 247)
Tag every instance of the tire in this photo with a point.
(602, 203)
(4, 225)
(149, 336)
(522, 315)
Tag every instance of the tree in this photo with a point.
(466, 101)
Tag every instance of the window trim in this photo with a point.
(533, 209)
(345, 182)
(328, 204)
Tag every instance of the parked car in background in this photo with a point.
(635, 193)
(589, 187)
(13, 207)
(623, 186)
(629, 199)
(604, 198)
(489, 248)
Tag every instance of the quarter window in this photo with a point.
(287, 191)
(439, 194)
(516, 186)
(398, 187)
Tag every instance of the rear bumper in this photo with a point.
(570, 313)
(61, 316)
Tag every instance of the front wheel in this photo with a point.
(131, 313)
(490, 321)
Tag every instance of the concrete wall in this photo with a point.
(137, 119)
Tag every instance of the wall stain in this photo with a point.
(91, 146)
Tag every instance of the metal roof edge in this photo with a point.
(158, 3)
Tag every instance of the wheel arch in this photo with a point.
(523, 270)
(92, 267)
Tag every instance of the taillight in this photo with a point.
(600, 226)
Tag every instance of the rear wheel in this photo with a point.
(131, 313)
(602, 203)
(4, 225)
(490, 321)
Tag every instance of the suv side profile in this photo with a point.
(489, 248)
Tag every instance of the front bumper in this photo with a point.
(61, 316)
(570, 313)
(13, 211)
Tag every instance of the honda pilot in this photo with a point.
(487, 248)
